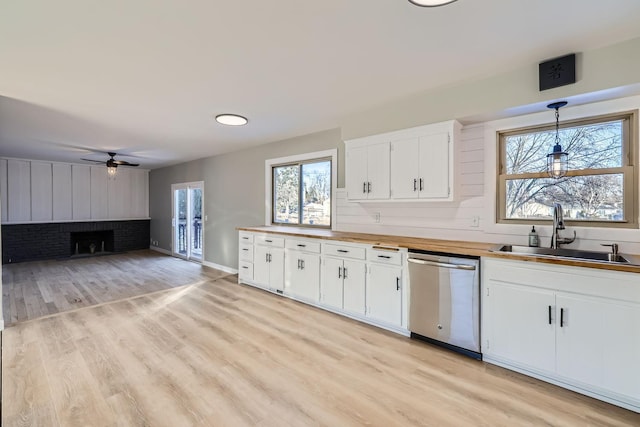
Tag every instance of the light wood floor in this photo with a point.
(222, 354)
(40, 288)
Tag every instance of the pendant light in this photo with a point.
(557, 160)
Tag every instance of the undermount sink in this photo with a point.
(562, 253)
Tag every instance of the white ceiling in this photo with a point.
(146, 78)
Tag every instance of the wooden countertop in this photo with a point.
(456, 247)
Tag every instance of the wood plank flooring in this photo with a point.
(221, 354)
(41, 288)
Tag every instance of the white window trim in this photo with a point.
(268, 179)
(490, 163)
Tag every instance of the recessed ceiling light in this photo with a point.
(431, 3)
(231, 119)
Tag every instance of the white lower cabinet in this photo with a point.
(268, 267)
(343, 284)
(576, 327)
(352, 279)
(384, 294)
(302, 275)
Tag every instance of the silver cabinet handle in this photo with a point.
(384, 256)
(369, 187)
(246, 250)
(343, 251)
(302, 246)
(397, 283)
(301, 264)
(415, 184)
(298, 264)
(268, 241)
(364, 187)
(421, 184)
(344, 272)
(339, 272)
(442, 264)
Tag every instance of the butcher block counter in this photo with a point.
(455, 247)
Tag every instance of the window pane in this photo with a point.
(592, 146)
(596, 197)
(286, 181)
(316, 197)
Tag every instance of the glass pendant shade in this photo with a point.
(431, 3)
(557, 162)
(111, 170)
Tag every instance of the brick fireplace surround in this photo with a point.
(30, 242)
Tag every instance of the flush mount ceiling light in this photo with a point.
(431, 3)
(231, 119)
(557, 160)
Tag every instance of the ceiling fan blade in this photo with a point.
(125, 163)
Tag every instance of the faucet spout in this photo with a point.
(558, 224)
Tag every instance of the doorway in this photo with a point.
(187, 221)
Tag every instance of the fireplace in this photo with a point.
(91, 242)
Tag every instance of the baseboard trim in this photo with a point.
(162, 251)
(220, 267)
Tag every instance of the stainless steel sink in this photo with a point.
(562, 253)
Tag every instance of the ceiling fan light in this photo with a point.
(431, 3)
(231, 119)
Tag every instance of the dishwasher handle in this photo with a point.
(441, 264)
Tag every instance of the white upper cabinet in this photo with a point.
(81, 192)
(62, 196)
(367, 170)
(410, 164)
(422, 162)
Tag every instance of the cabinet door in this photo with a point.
(384, 294)
(331, 286)
(41, 191)
(62, 200)
(261, 265)
(83, 185)
(19, 190)
(356, 173)
(354, 291)
(519, 329)
(597, 343)
(434, 166)
(276, 269)
(308, 286)
(378, 171)
(405, 171)
(292, 274)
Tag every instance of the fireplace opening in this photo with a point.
(86, 243)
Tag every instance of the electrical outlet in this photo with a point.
(376, 217)
(475, 221)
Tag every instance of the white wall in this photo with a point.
(476, 172)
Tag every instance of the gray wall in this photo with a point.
(234, 183)
(233, 191)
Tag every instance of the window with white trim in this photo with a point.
(601, 187)
(301, 193)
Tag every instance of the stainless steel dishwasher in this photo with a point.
(444, 306)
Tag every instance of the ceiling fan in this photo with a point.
(112, 163)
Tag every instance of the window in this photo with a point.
(600, 188)
(302, 193)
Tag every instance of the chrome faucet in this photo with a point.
(558, 224)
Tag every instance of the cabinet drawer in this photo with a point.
(344, 251)
(303, 245)
(276, 242)
(246, 252)
(245, 270)
(388, 256)
(246, 237)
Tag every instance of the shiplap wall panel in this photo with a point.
(41, 191)
(19, 190)
(62, 196)
(448, 220)
(81, 192)
(99, 193)
(3, 190)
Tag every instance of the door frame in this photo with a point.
(186, 186)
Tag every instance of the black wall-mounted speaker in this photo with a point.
(557, 72)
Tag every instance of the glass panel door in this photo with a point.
(187, 219)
